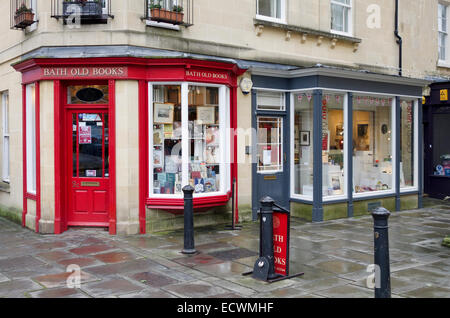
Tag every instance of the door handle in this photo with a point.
(285, 157)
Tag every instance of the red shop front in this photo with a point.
(187, 115)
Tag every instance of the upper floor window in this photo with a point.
(23, 14)
(442, 31)
(272, 10)
(341, 18)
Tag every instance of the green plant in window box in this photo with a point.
(23, 16)
(177, 8)
(159, 14)
(155, 4)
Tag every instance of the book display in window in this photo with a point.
(167, 140)
(204, 134)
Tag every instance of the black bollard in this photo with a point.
(188, 220)
(267, 204)
(381, 242)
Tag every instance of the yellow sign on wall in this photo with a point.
(444, 94)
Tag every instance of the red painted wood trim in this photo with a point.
(199, 202)
(143, 151)
(233, 103)
(59, 226)
(24, 153)
(112, 156)
(137, 69)
(38, 156)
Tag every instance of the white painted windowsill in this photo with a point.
(442, 63)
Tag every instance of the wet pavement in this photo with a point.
(333, 255)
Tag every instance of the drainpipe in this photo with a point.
(399, 40)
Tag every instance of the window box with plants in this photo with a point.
(88, 9)
(159, 14)
(23, 17)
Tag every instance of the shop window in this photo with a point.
(333, 177)
(442, 32)
(303, 144)
(407, 143)
(372, 143)
(270, 146)
(341, 16)
(274, 10)
(5, 139)
(93, 94)
(270, 101)
(189, 139)
(31, 137)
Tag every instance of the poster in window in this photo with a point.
(85, 135)
(163, 113)
(206, 115)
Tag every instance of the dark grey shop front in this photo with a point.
(437, 142)
(304, 158)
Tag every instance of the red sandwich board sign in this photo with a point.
(281, 241)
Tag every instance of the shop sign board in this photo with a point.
(210, 76)
(84, 72)
(281, 242)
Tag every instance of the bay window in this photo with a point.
(189, 127)
(408, 143)
(373, 145)
(303, 131)
(272, 10)
(333, 144)
(31, 137)
(341, 16)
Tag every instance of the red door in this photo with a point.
(88, 168)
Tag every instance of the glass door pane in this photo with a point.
(89, 145)
(269, 146)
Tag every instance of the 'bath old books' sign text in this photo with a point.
(281, 242)
(84, 72)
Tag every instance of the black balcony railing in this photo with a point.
(172, 12)
(82, 11)
(23, 13)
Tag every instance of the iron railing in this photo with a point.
(23, 13)
(84, 11)
(172, 12)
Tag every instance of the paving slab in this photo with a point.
(334, 256)
(111, 287)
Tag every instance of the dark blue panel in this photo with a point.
(368, 86)
(270, 82)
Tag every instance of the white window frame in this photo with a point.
(415, 186)
(347, 140)
(282, 18)
(292, 145)
(5, 138)
(282, 101)
(225, 138)
(349, 32)
(30, 117)
(281, 134)
(443, 62)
